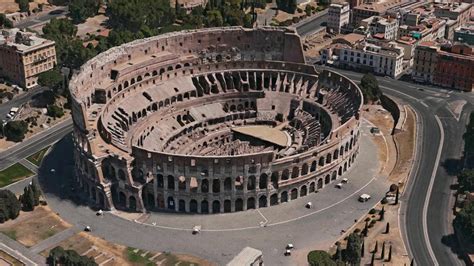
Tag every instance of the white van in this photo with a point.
(364, 197)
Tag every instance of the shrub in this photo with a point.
(320, 257)
(372, 211)
(384, 201)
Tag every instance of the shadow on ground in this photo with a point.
(55, 175)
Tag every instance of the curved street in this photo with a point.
(428, 231)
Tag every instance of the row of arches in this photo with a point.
(177, 203)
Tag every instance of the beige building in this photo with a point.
(23, 56)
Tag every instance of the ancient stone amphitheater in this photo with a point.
(210, 121)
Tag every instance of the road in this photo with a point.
(312, 23)
(42, 18)
(35, 143)
(19, 100)
(427, 204)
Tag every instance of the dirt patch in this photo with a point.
(313, 43)
(405, 141)
(107, 253)
(30, 228)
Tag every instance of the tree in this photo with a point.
(27, 199)
(366, 228)
(24, 5)
(466, 180)
(15, 130)
(9, 206)
(464, 221)
(353, 249)
(382, 213)
(60, 256)
(214, 19)
(338, 255)
(36, 191)
(320, 257)
(51, 79)
(362, 249)
(469, 136)
(5, 22)
(55, 111)
(370, 88)
(372, 260)
(80, 10)
(387, 228)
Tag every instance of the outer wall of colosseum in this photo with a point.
(155, 120)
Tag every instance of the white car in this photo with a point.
(344, 180)
(339, 185)
(87, 228)
(309, 205)
(364, 197)
(289, 246)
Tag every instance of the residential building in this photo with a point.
(455, 68)
(381, 58)
(459, 12)
(330, 54)
(23, 56)
(450, 66)
(338, 16)
(424, 62)
(385, 27)
(465, 34)
(368, 10)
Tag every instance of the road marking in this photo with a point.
(428, 193)
(265, 218)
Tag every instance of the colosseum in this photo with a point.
(210, 121)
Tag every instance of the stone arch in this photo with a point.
(327, 179)
(339, 172)
(341, 151)
(335, 155)
(263, 181)
(239, 205)
(227, 206)
(320, 183)
(122, 198)
(303, 191)
(274, 199)
(285, 175)
(132, 203)
(284, 196)
(295, 172)
(205, 186)
(262, 201)
(294, 194)
(182, 205)
(312, 187)
(313, 166)
(216, 206)
(239, 183)
(251, 183)
(181, 183)
(334, 175)
(121, 174)
(228, 184)
(204, 206)
(171, 203)
(328, 158)
(345, 166)
(274, 180)
(321, 161)
(216, 186)
(304, 169)
(170, 182)
(193, 206)
(250, 203)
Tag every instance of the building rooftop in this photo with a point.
(22, 41)
(380, 6)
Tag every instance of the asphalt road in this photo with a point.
(18, 101)
(43, 17)
(35, 143)
(430, 102)
(312, 24)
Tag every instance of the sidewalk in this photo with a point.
(16, 247)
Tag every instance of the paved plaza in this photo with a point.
(224, 235)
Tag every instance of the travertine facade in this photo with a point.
(23, 56)
(210, 121)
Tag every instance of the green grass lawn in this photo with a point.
(13, 173)
(37, 157)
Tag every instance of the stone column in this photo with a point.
(188, 184)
